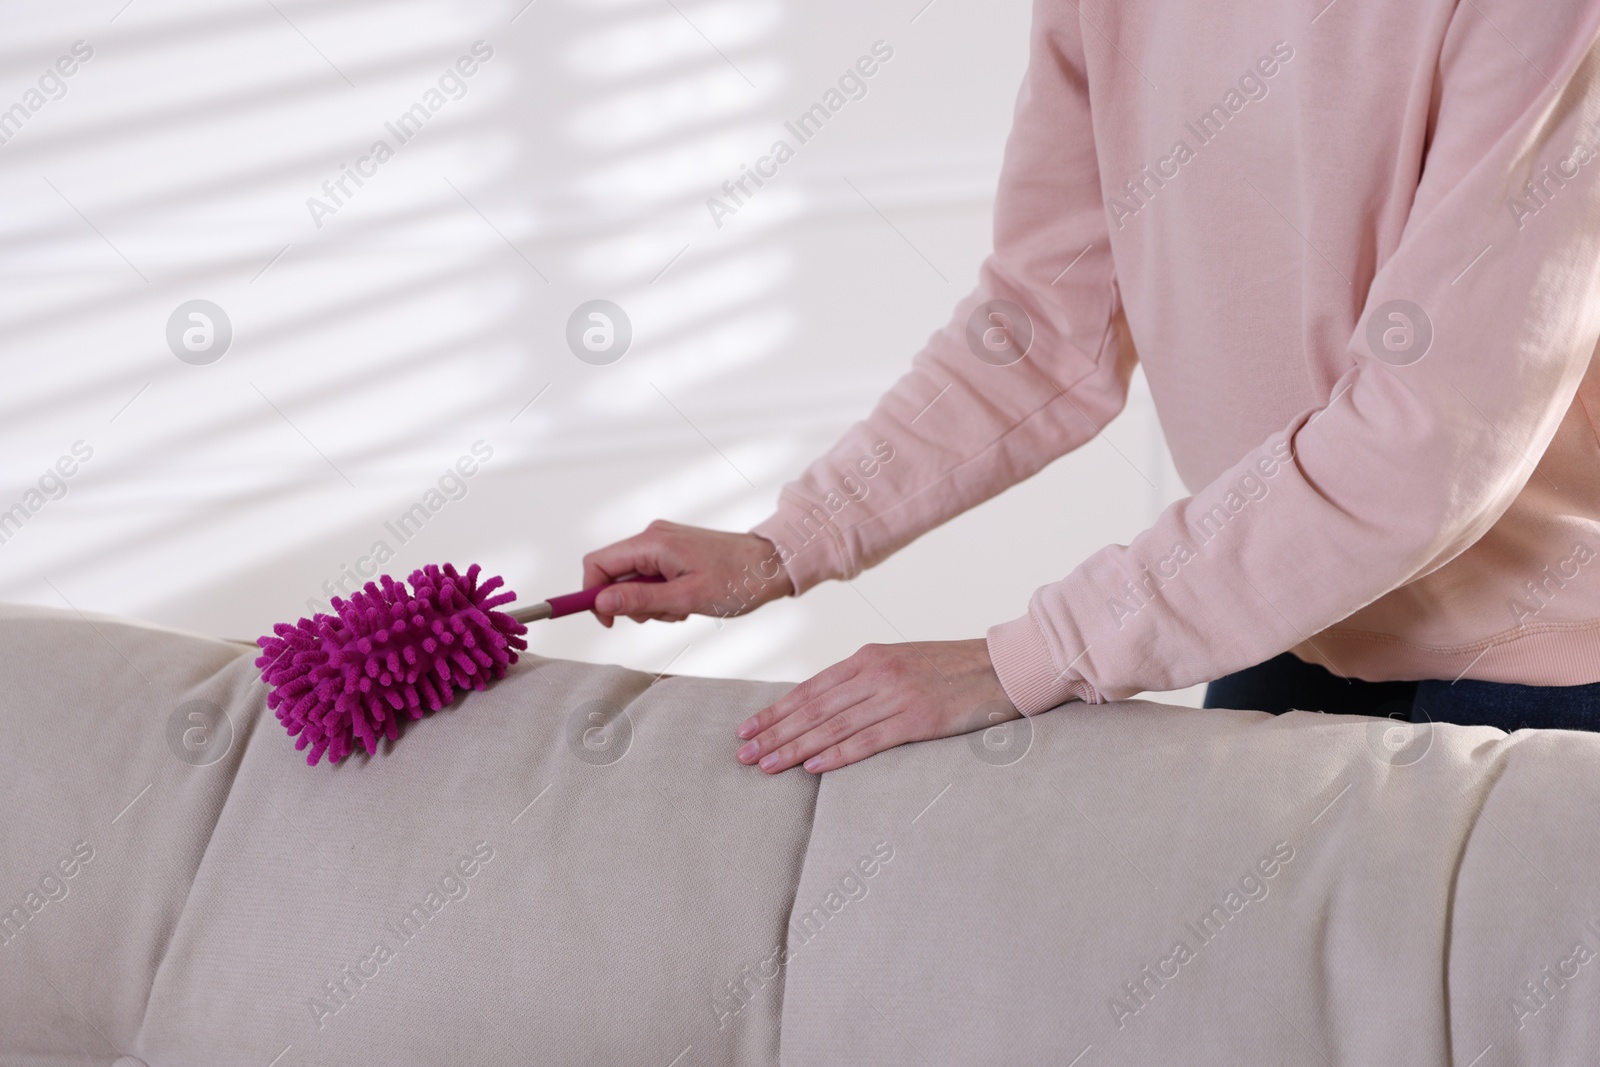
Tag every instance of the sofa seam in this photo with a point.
(205, 853)
(794, 897)
(1491, 779)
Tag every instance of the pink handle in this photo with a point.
(572, 603)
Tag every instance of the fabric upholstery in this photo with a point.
(604, 924)
(1432, 873)
(517, 882)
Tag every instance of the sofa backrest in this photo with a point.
(570, 867)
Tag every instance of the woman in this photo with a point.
(1358, 254)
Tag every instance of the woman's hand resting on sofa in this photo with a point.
(708, 572)
(883, 696)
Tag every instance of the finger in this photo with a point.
(642, 601)
(645, 553)
(604, 566)
(869, 741)
(794, 698)
(830, 732)
(808, 716)
(607, 564)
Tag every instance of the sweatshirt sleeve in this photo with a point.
(1412, 459)
(1042, 367)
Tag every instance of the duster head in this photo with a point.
(387, 652)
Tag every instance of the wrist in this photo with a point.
(751, 574)
(810, 543)
(768, 569)
(1021, 659)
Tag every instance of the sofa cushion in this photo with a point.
(103, 827)
(568, 867)
(1134, 883)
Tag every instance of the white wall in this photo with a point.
(372, 351)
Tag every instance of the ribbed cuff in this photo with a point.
(808, 548)
(1027, 672)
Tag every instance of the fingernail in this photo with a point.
(769, 761)
(748, 751)
(748, 729)
(814, 764)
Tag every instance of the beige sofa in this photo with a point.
(571, 868)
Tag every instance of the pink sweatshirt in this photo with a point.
(1358, 255)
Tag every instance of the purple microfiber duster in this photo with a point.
(389, 651)
(337, 678)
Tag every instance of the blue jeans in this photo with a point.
(1286, 681)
